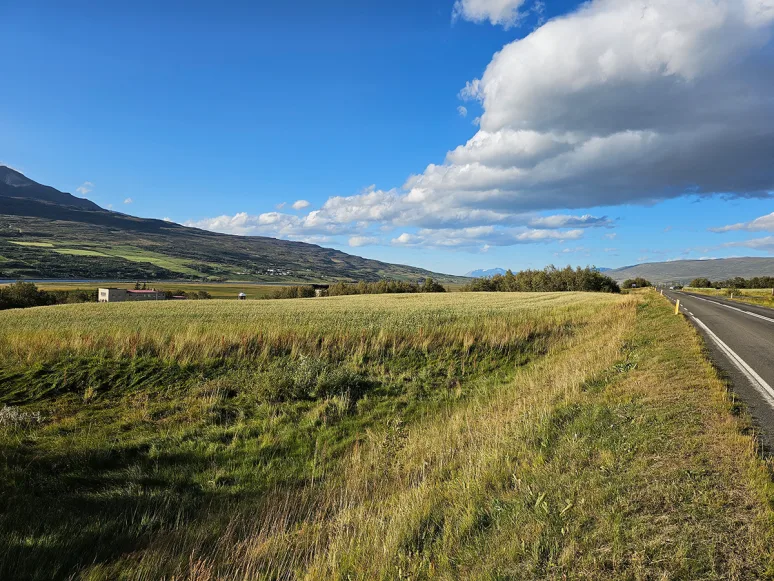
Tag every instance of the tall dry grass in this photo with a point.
(366, 325)
(404, 504)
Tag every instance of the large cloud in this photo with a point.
(620, 102)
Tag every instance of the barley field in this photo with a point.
(433, 436)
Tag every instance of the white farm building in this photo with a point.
(121, 295)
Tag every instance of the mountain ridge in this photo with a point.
(14, 184)
(684, 271)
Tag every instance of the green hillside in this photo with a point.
(49, 234)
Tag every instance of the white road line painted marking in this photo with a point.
(770, 320)
(756, 380)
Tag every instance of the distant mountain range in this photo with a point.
(481, 273)
(46, 233)
(684, 271)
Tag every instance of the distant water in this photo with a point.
(103, 281)
(55, 280)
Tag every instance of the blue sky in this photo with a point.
(609, 134)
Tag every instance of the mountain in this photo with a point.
(19, 187)
(45, 233)
(684, 271)
(485, 273)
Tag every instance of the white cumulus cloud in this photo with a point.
(128, 201)
(503, 12)
(762, 224)
(619, 102)
(300, 204)
(357, 241)
(766, 244)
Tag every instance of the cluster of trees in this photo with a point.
(550, 279)
(20, 295)
(737, 282)
(293, 292)
(189, 294)
(638, 282)
(360, 288)
(385, 287)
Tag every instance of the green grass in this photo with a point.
(763, 297)
(137, 255)
(79, 252)
(33, 244)
(457, 436)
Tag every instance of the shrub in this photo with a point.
(638, 282)
(701, 283)
(310, 379)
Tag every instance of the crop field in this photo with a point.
(418, 436)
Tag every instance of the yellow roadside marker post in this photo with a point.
(677, 308)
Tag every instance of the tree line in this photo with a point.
(736, 282)
(360, 288)
(550, 279)
(21, 295)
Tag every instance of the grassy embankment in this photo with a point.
(763, 297)
(478, 436)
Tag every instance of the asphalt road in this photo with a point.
(741, 341)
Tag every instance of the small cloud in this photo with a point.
(128, 201)
(564, 221)
(667, 229)
(167, 219)
(280, 205)
(300, 204)
(85, 188)
(485, 248)
(406, 239)
(357, 241)
(575, 250)
(766, 244)
(762, 224)
(611, 236)
(463, 111)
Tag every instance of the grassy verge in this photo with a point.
(760, 297)
(462, 436)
